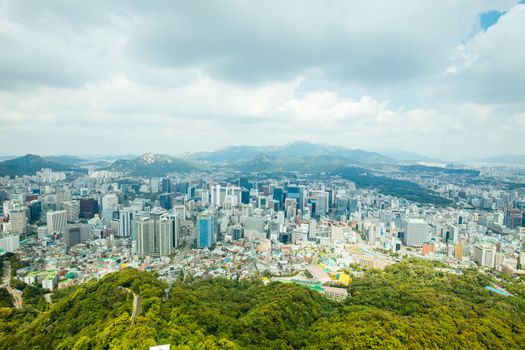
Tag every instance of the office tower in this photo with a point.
(88, 208)
(166, 185)
(73, 210)
(245, 196)
(206, 230)
(109, 206)
(451, 234)
(416, 232)
(125, 218)
(181, 187)
(145, 236)
(254, 227)
(75, 234)
(341, 203)
(168, 234)
(319, 200)
(296, 192)
(165, 201)
(18, 220)
(154, 185)
(278, 195)
(165, 235)
(513, 218)
(245, 183)
(176, 229)
(237, 232)
(56, 221)
(35, 210)
(485, 255)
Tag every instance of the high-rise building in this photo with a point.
(165, 229)
(145, 236)
(254, 227)
(206, 230)
(278, 195)
(35, 210)
(75, 234)
(319, 200)
(166, 185)
(237, 232)
(18, 220)
(245, 196)
(56, 221)
(165, 201)
(73, 210)
(513, 218)
(296, 192)
(125, 218)
(109, 206)
(88, 208)
(416, 232)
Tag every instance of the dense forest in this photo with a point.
(412, 304)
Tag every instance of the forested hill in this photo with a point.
(411, 305)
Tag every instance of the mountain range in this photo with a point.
(516, 159)
(301, 149)
(30, 164)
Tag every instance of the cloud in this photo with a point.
(182, 76)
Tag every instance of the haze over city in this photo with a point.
(444, 78)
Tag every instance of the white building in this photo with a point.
(485, 255)
(18, 220)
(416, 232)
(9, 243)
(56, 221)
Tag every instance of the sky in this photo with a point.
(442, 78)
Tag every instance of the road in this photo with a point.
(15, 293)
(137, 304)
(47, 298)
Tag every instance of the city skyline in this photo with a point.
(442, 79)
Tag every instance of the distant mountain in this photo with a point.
(405, 156)
(150, 164)
(505, 159)
(30, 164)
(65, 159)
(299, 149)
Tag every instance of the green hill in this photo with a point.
(30, 164)
(411, 305)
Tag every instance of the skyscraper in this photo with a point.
(165, 229)
(125, 220)
(145, 236)
(296, 192)
(206, 230)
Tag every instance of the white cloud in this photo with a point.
(187, 76)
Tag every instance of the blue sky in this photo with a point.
(489, 18)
